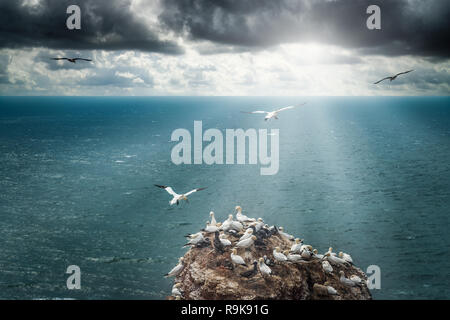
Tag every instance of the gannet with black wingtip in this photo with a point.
(213, 219)
(236, 259)
(345, 281)
(392, 78)
(73, 60)
(194, 235)
(326, 266)
(246, 243)
(176, 270)
(346, 257)
(178, 197)
(212, 229)
(176, 291)
(293, 257)
(285, 235)
(265, 270)
(195, 240)
(316, 255)
(225, 241)
(278, 255)
(330, 251)
(273, 114)
(247, 234)
(334, 259)
(242, 217)
(296, 247)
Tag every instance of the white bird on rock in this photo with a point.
(176, 270)
(242, 217)
(278, 255)
(236, 258)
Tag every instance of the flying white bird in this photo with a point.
(178, 197)
(273, 114)
(391, 78)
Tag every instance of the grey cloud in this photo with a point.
(105, 25)
(409, 27)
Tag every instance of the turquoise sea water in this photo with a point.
(368, 176)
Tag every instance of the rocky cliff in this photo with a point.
(209, 273)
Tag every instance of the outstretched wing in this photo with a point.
(404, 72)
(255, 111)
(285, 108)
(381, 80)
(82, 59)
(59, 58)
(195, 190)
(168, 189)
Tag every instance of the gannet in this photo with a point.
(293, 257)
(178, 197)
(306, 254)
(176, 290)
(268, 261)
(331, 291)
(334, 259)
(213, 219)
(296, 247)
(218, 243)
(242, 217)
(273, 114)
(176, 270)
(194, 235)
(391, 78)
(250, 273)
(211, 229)
(346, 257)
(236, 225)
(195, 240)
(247, 234)
(355, 279)
(225, 242)
(330, 251)
(265, 270)
(246, 243)
(284, 234)
(259, 224)
(73, 60)
(317, 255)
(278, 256)
(226, 225)
(326, 266)
(236, 258)
(345, 281)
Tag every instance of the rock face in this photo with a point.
(209, 274)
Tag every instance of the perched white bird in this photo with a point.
(296, 247)
(176, 270)
(236, 258)
(195, 240)
(259, 224)
(236, 225)
(213, 219)
(212, 229)
(176, 290)
(392, 78)
(247, 234)
(346, 257)
(334, 259)
(331, 291)
(306, 254)
(326, 266)
(242, 217)
(284, 234)
(278, 255)
(346, 281)
(194, 235)
(273, 114)
(226, 225)
(265, 270)
(330, 251)
(225, 242)
(178, 197)
(355, 279)
(293, 257)
(317, 255)
(246, 243)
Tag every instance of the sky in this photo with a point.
(224, 48)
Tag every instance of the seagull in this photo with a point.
(73, 60)
(176, 270)
(273, 114)
(178, 197)
(393, 77)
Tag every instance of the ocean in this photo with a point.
(369, 176)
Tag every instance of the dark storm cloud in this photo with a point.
(105, 24)
(408, 26)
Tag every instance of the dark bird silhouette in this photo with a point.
(251, 272)
(391, 78)
(217, 243)
(73, 60)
